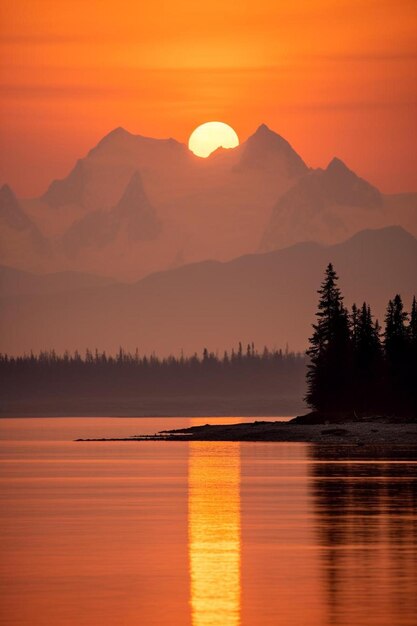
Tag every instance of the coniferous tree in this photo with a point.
(395, 328)
(329, 372)
(367, 362)
(354, 324)
(396, 349)
(412, 329)
(412, 358)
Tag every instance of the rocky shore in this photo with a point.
(365, 432)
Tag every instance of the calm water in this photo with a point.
(199, 534)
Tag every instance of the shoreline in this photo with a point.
(376, 432)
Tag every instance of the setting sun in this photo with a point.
(212, 135)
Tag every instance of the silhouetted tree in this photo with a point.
(413, 326)
(396, 349)
(329, 372)
(354, 324)
(412, 358)
(367, 360)
(350, 369)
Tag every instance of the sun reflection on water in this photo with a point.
(214, 537)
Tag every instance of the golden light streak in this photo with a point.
(214, 534)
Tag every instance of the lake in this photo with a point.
(200, 533)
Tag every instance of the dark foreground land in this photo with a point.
(375, 432)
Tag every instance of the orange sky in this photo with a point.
(332, 76)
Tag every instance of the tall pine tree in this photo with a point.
(367, 360)
(396, 351)
(412, 329)
(412, 359)
(329, 372)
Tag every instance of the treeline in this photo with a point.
(241, 372)
(356, 366)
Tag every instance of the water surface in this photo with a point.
(199, 533)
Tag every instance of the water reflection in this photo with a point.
(266, 534)
(214, 533)
(367, 529)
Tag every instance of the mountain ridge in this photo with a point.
(266, 148)
(258, 196)
(317, 204)
(267, 298)
(133, 213)
(21, 240)
(15, 282)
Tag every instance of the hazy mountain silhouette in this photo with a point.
(133, 215)
(267, 149)
(343, 186)
(69, 190)
(258, 196)
(98, 180)
(321, 206)
(215, 207)
(136, 212)
(268, 298)
(15, 282)
(149, 150)
(11, 213)
(20, 239)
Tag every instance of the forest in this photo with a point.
(242, 372)
(356, 366)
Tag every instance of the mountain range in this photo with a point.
(269, 298)
(136, 205)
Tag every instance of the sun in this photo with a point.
(212, 135)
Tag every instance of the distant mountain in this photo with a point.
(136, 213)
(98, 180)
(259, 196)
(11, 213)
(133, 214)
(15, 282)
(338, 184)
(267, 149)
(323, 205)
(69, 190)
(266, 298)
(20, 238)
(120, 143)
(196, 208)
